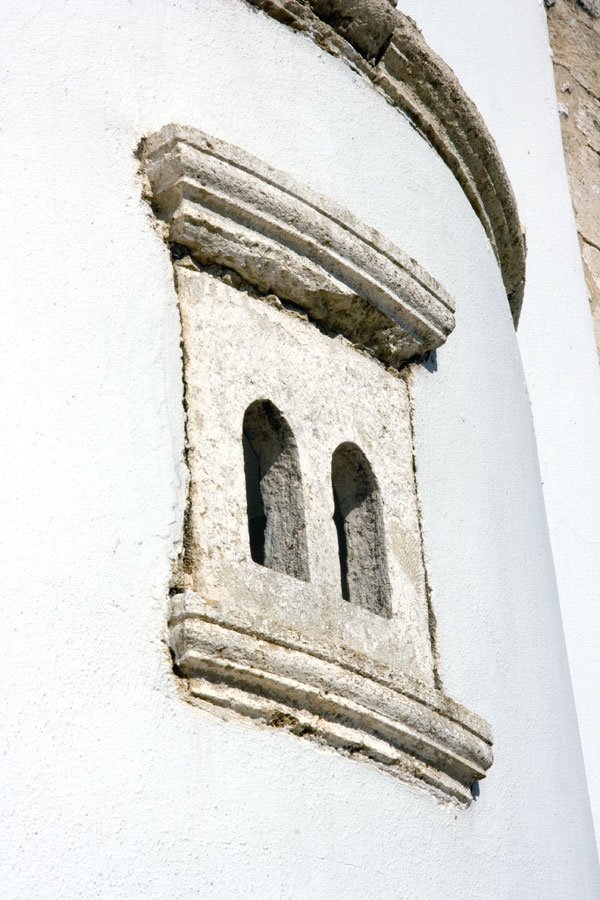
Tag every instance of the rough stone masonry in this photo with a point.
(574, 27)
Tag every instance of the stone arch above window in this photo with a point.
(276, 525)
(358, 518)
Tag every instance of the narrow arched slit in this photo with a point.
(358, 520)
(276, 522)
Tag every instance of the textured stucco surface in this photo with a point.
(111, 785)
(517, 98)
(420, 84)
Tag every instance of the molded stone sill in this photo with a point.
(412, 731)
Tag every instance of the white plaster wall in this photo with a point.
(111, 785)
(502, 56)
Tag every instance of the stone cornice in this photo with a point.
(386, 46)
(229, 209)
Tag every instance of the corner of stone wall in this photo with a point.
(574, 27)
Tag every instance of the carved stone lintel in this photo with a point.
(386, 47)
(229, 208)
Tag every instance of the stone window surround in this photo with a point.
(233, 214)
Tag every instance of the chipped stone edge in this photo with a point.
(228, 208)
(409, 729)
(386, 47)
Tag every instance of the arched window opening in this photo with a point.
(276, 524)
(358, 519)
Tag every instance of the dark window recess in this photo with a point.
(276, 523)
(358, 519)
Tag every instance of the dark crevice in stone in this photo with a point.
(275, 505)
(358, 519)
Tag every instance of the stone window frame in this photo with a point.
(235, 215)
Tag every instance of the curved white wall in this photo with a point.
(504, 61)
(112, 785)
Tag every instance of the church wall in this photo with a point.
(113, 786)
